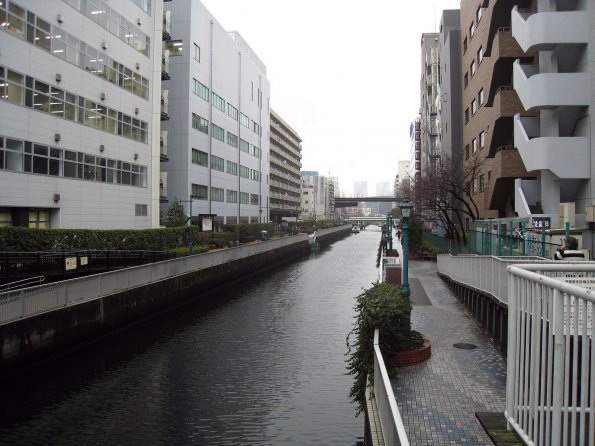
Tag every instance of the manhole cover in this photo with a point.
(465, 346)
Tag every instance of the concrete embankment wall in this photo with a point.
(73, 312)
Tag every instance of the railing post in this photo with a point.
(542, 240)
(558, 366)
(499, 249)
(523, 232)
(510, 229)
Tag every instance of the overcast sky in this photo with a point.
(344, 74)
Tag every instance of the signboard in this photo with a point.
(70, 263)
(206, 221)
(84, 260)
(541, 222)
(584, 315)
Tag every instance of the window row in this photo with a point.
(201, 192)
(69, 48)
(471, 149)
(25, 156)
(26, 91)
(202, 91)
(475, 104)
(479, 183)
(110, 20)
(217, 163)
(202, 125)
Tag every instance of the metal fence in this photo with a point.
(393, 429)
(550, 397)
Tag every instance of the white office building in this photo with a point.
(218, 129)
(79, 113)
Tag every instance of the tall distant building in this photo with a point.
(383, 189)
(430, 154)
(80, 86)
(403, 177)
(318, 197)
(360, 188)
(219, 119)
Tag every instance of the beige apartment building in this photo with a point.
(490, 103)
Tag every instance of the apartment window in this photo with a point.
(244, 197)
(244, 120)
(5, 219)
(474, 146)
(467, 151)
(254, 199)
(244, 146)
(464, 45)
(199, 192)
(200, 124)
(466, 80)
(480, 97)
(217, 194)
(232, 140)
(478, 14)
(482, 182)
(200, 90)
(140, 210)
(199, 157)
(471, 30)
(175, 47)
(472, 68)
(254, 175)
(256, 151)
(255, 128)
(232, 112)
(232, 196)
(232, 168)
(217, 163)
(474, 190)
(196, 52)
(473, 107)
(39, 219)
(482, 140)
(466, 115)
(218, 102)
(479, 55)
(244, 172)
(218, 132)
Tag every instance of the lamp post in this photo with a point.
(406, 213)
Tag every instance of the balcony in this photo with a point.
(164, 105)
(166, 25)
(506, 166)
(163, 187)
(544, 31)
(549, 90)
(503, 45)
(566, 157)
(165, 66)
(163, 146)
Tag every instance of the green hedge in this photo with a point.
(248, 232)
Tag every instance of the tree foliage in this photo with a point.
(175, 215)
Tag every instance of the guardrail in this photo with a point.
(20, 304)
(550, 390)
(393, 429)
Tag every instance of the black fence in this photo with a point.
(65, 265)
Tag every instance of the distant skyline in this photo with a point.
(343, 74)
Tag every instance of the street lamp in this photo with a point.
(406, 213)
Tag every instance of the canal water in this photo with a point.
(262, 363)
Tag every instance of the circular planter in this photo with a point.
(411, 357)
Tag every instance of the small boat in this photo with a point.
(355, 229)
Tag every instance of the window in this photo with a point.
(217, 194)
(256, 151)
(39, 219)
(218, 102)
(199, 192)
(244, 197)
(232, 140)
(244, 146)
(175, 47)
(464, 45)
(196, 52)
(254, 175)
(480, 97)
(200, 124)
(5, 219)
(479, 55)
(471, 30)
(472, 68)
(199, 157)
(217, 164)
(218, 132)
(466, 80)
(474, 146)
(200, 90)
(232, 196)
(466, 115)
(473, 107)
(232, 168)
(482, 182)
(140, 210)
(244, 120)
(474, 186)
(244, 172)
(482, 140)
(255, 128)
(254, 199)
(467, 151)
(232, 112)
(478, 14)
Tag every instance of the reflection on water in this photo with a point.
(260, 364)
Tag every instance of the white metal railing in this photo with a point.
(487, 274)
(550, 390)
(19, 304)
(393, 429)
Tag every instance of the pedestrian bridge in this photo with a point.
(541, 314)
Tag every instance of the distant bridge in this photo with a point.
(342, 202)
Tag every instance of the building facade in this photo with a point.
(79, 113)
(318, 197)
(429, 150)
(219, 119)
(490, 103)
(558, 85)
(285, 167)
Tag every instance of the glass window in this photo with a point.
(199, 192)
(474, 145)
(217, 194)
(254, 199)
(244, 146)
(480, 97)
(232, 196)
(232, 168)
(175, 47)
(218, 132)
(232, 140)
(199, 157)
(479, 55)
(200, 124)
(244, 197)
(218, 102)
(217, 163)
(244, 120)
(472, 68)
(482, 140)
(473, 107)
(196, 52)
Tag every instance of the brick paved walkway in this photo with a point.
(438, 399)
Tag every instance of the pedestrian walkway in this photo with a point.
(438, 399)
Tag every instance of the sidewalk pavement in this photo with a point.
(438, 398)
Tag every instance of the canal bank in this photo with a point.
(43, 321)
